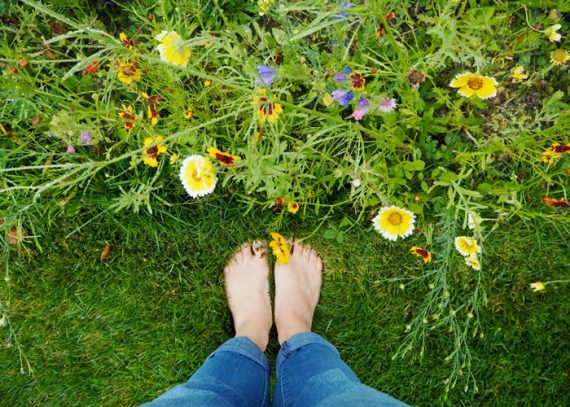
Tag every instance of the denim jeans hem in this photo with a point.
(245, 347)
(298, 341)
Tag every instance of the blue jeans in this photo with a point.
(310, 372)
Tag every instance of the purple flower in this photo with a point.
(359, 114)
(267, 75)
(342, 97)
(340, 77)
(343, 14)
(387, 105)
(363, 102)
(85, 138)
(70, 149)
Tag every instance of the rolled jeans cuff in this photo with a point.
(298, 341)
(245, 347)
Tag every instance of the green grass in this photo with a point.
(122, 331)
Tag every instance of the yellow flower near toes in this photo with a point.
(469, 84)
(173, 48)
(280, 248)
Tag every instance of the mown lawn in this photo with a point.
(121, 331)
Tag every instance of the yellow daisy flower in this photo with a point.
(537, 286)
(559, 56)
(473, 262)
(393, 222)
(280, 248)
(198, 176)
(470, 84)
(173, 48)
(467, 246)
(188, 113)
(518, 73)
(266, 110)
(129, 72)
(153, 148)
(207, 82)
(173, 158)
(552, 33)
(226, 159)
(293, 207)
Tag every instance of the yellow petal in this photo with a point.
(461, 80)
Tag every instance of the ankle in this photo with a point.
(287, 331)
(254, 333)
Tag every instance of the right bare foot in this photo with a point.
(297, 291)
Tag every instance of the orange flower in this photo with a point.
(423, 253)
(92, 68)
(555, 202)
(226, 159)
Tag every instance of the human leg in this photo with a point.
(310, 371)
(237, 373)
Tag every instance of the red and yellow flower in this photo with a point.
(129, 116)
(280, 248)
(423, 253)
(153, 148)
(129, 72)
(152, 113)
(293, 207)
(357, 80)
(552, 153)
(225, 159)
(266, 109)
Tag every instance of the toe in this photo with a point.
(259, 249)
(307, 253)
(298, 248)
(242, 253)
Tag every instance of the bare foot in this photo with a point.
(297, 291)
(247, 289)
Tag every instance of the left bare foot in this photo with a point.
(247, 289)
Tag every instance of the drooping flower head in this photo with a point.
(387, 105)
(280, 248)
(152, 113)
(225, 159)
(393, 222)
(357, 80)
(559, 56)
(473, 262)
(128, 115)
(552, 33)
(423, 253)
(342, 97)
(153, 148)
(470, 84)
(198, 176)
(129, 72)
(266, 110)
(551, 154)
(466, 245)
(173, 48)
(560, 202)
(267, 75)
(518, 73)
